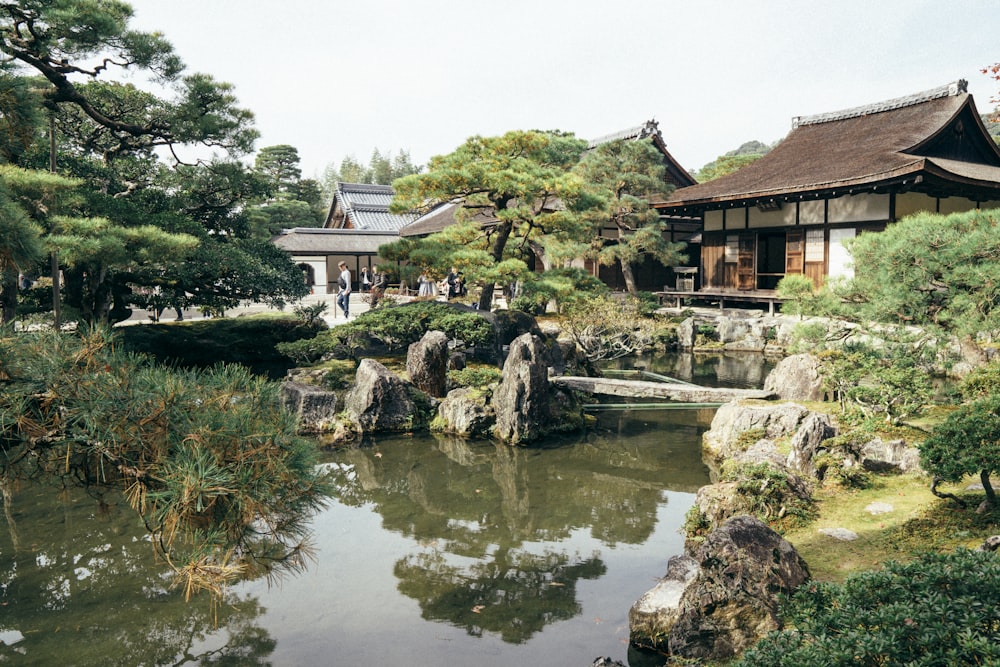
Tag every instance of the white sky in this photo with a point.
(336, 77)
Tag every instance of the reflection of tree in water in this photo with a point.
(515, 594)
(477, 504)
(79, 584)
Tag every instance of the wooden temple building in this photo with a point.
(834, 176)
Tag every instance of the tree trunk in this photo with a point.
(629, 278)
(499, 244)
(8, 296)
(991, 497)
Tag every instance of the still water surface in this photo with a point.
(435, 551)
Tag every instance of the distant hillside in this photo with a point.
(747, 153)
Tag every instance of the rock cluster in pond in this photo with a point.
(722, 597)
(521, 408)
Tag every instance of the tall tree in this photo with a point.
(522, 181)
(624, 174)
(280, 165)
(63, 40)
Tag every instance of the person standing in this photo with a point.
(379, 282)
(365, 279)
(454, 286)
(344, 298)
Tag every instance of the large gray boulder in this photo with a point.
(381, 401)
(729, 602)
(314, 406)
(796, 378)
(734, 421)
(521, 400)
(807, 442)
(465, 411)
(427, 363)
(653, 614)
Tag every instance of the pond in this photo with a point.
(434, 551)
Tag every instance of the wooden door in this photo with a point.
(794, 251)
(746, 274)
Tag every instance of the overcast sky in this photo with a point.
(336, 78)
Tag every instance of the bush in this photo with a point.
(938, 610)
(474, 376)
(892, 381)
(396, 327)
(245, 340)
(207, 458)
(604, 328)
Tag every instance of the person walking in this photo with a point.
(344, 297)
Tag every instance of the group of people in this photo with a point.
(453, 285)
(375, 282)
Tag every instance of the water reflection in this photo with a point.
(493, 522)
(724, 369)
(79, 585)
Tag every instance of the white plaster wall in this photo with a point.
(956, 205)
(858, 208)
(783, 217)
(840, 259)
(713, 221)
(811, 212)
(909, 203)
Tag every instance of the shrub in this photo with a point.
(892, 381)
(395, 326)
(204, 343)
(607, 329)
(474, 376)
(207, 458)
(937, 610)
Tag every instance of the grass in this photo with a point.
(918, 522)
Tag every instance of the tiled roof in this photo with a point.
(365, 206)
(440, 217)
(888, 142)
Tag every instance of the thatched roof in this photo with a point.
(440, 217)
(932, 142)
(314, 241)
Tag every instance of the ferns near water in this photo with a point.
(208, 459)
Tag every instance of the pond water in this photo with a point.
(434, 551)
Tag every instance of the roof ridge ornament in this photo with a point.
(948, 90)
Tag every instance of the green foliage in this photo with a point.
(246, 340)
(808, 337)
(396, 326)
(474, 376)
(938, 610)
(892, 381)
(983, 381)
(605, 328)
(746, 154)
(932, 271)
(622, 177)
(208, 459)
(967, 443)
(769, 494)
(512, 191)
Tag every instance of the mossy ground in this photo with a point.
(918, 522)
